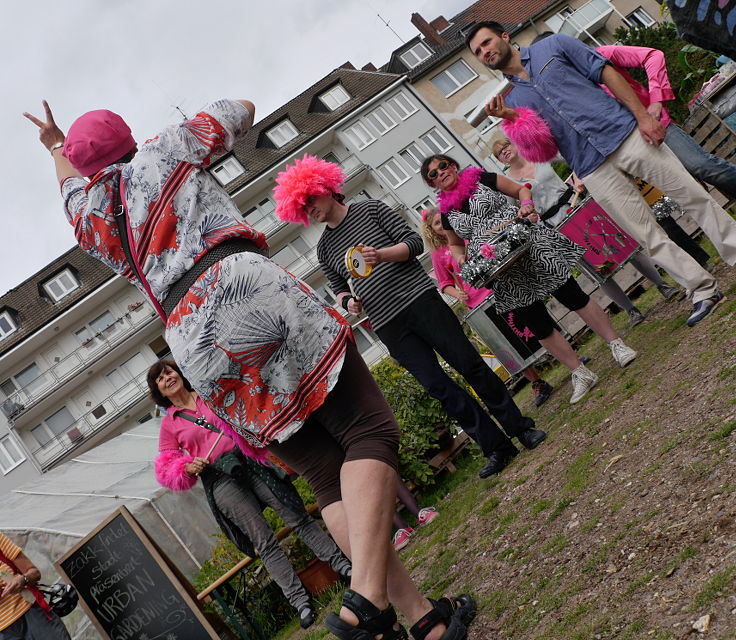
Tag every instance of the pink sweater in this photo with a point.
(447, 271)
(652, 60)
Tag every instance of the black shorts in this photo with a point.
(354, 423)
(537, 318)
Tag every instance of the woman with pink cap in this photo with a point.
(270, 357)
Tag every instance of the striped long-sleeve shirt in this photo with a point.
(391, 286)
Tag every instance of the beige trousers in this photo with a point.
(614, 190)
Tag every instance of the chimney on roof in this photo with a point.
(347, 65)
(440, 24)
(369, 67)
(426, 29)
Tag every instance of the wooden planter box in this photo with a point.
(317, 576)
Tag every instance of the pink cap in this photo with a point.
(97, 139)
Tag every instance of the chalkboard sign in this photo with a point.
(126, 587)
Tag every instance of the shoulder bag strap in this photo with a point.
(200, 421)
(121, 217)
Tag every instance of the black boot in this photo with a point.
(497, 461)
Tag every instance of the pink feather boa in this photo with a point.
(169, 467)
(467, 183)
(531, 136)
(259, 454)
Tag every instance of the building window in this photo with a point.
(436, 142)
(427, 203)
(413, 155)
(401, 104)
(226, 171)
(7, 324)
(335, 97)
(263, 216)
(416, 55)
(282, 133)
(393, 172)
(485, 125)
(381, 121)
(10, 454)
(453, 78)
(57, 424)
(61, 285)
(359, 135)
(293, 255)
(29, 380)
(639, 18)
(101, 327)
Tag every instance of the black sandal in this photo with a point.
(454, 613)
(372, 621)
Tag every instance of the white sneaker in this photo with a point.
(622, 353)
(583, 380)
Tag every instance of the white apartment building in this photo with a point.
(75, 343)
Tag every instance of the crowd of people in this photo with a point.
(261, 362)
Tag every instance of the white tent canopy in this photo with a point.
(53, 513)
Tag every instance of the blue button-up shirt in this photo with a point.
(564, 88)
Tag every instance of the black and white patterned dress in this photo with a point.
(546, 266)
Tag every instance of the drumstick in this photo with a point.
(574, 200)
(212, 448)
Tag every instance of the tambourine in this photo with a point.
(355, 263)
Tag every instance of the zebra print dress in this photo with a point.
(536, 275)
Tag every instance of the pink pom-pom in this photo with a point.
(531, 136)
(169, 467)
(488, 251)
(310, 176)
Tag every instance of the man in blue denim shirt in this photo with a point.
(605, 141)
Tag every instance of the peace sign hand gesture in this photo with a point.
(49, 132)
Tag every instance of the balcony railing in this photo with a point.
(589, 18)
(87, 425)
(62, 371)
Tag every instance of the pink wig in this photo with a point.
(169, 467)
(310, 176)
(531, 136)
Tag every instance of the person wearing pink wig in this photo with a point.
(403, 305)
(268, 356)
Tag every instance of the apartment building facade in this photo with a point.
(75, 343)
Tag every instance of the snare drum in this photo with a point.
(608, 246)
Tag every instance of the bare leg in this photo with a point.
(361, 526)
(597, 320)
(561, 349)
(530, 373)
(407, 497)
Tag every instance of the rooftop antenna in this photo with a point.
(176, 107)
(388, 24)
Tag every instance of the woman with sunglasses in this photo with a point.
(553, 197)
(474, 201)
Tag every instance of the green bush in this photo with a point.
(417, 414)
(688, 66)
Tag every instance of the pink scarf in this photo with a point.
(467, 183)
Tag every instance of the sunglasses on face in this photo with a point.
(433, 173)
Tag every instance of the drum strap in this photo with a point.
(563, 200)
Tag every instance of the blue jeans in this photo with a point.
(701, 164)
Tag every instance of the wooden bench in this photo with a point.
(711, 133)
(444, 459)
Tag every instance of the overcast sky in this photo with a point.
(142, 58)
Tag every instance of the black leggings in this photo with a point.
(354, 423)
(537, 318)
